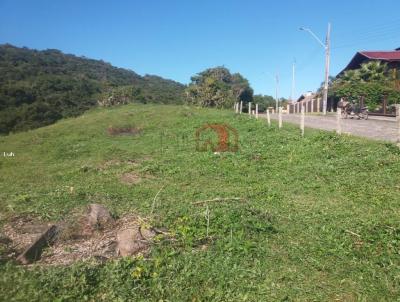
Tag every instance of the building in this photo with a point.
(306, 97)
(392, 58)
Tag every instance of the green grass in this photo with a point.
(290, 240)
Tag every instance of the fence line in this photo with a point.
(308, 106)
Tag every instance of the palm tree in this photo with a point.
(350, 77)
(395, 77)
(373, 71)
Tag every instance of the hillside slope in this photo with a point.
(317, 219)
(39, 87)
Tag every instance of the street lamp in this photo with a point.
(326, 46)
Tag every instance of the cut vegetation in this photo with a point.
(284, 218)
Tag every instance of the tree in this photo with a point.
(373, 71)
(217, 87)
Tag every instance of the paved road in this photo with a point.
(375, 127)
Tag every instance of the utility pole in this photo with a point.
(327, 63)
(293, 80)
(276, 93)
(327, 47)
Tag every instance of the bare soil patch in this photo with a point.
(82, 237)
(130, 178)
(113, 131)
(133, 178)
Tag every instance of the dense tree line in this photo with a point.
(39, 87)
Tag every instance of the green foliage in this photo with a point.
(120, 96)
(217, 87)
(318, 220)
(38, 88)
(373, 81)
(265, 101)
(372, 91)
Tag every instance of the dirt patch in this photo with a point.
(113, 131)
(74, 242)
(18, 234)
(117, 163)
(130, 178)
(99, 245)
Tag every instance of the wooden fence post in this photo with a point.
(241, 107)
(250, 108)
(339, 121)
(288, 109)
(385, 104)
(302, 119)
(318, 104)
(312, 105)
(256, 111)
(268, 118)
(280, 117)
(398, 123)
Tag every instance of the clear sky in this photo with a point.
(176, 39)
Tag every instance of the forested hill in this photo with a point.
(38, 88)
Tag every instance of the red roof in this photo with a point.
(362, 56)
(382, 55)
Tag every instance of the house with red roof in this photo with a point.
(392, 58)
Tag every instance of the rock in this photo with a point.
(34, 251)
(98, 216)
(130, 242)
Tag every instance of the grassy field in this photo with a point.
(319, 220)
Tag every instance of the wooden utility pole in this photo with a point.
(276, 93)
(327, 63)
(250, 108)
(280, 117)
(293, 80)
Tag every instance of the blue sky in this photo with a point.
(176, 39)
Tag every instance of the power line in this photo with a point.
(372, 39)
(377, 28)
(387, 32)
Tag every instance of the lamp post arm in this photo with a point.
(315, 37)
